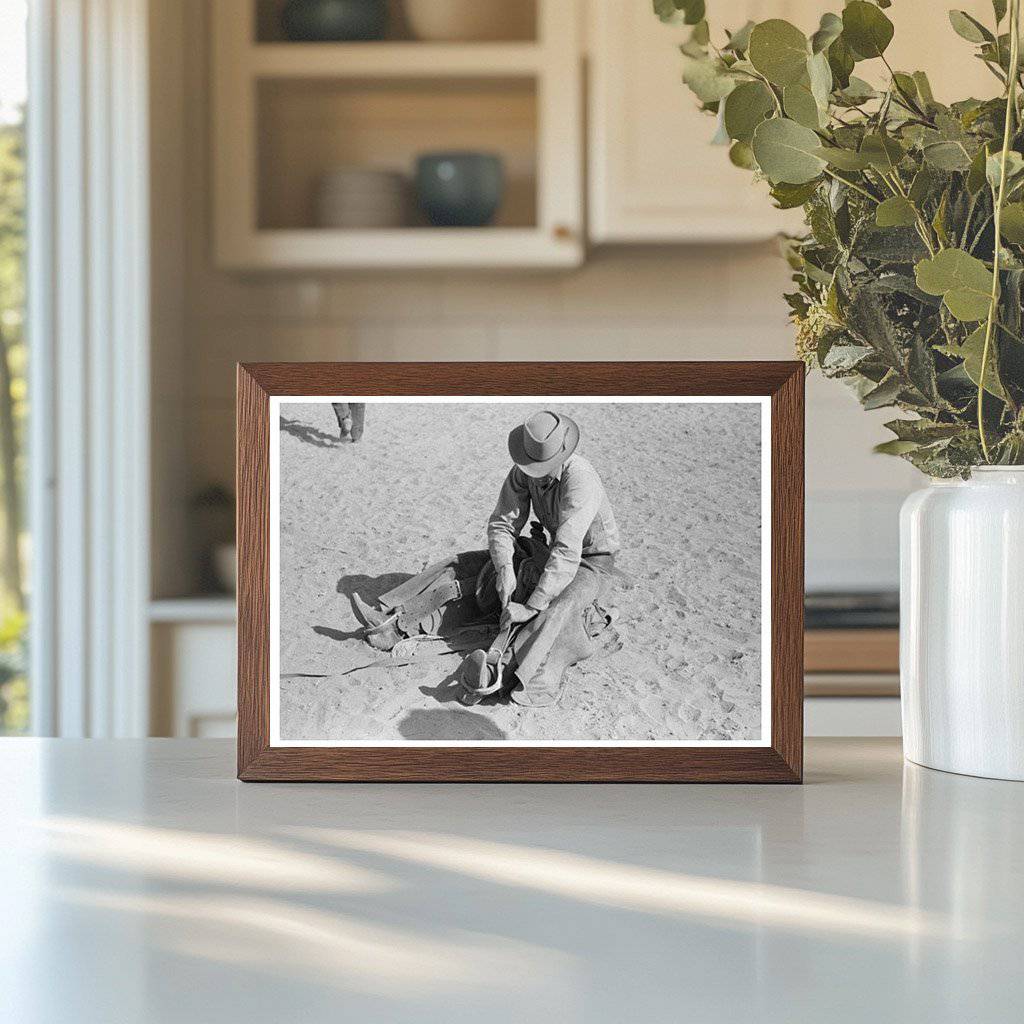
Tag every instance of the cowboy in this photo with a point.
(546, 585)
(548, 607)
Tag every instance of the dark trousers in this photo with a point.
(356, 411)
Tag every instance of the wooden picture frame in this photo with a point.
(780, 759)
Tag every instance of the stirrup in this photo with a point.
(482, 672)
(479, 677)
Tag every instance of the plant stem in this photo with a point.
(775, 98)
(1012, 334)
(907, 99)
(853, 185)
(1011, 108)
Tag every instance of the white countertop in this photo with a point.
(140, 882)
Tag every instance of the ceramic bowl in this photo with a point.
(359, 197)
(459, 189)
(470, 20)
(333, 21)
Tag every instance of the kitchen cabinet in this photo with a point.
(288, 114)
(654, 177)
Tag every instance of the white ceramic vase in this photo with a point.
(962, 624)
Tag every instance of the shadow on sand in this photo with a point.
(449, 690)
(311, 435)
(442, 724)
(369, 588)
(338, 634)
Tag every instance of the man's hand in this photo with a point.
(506, 584)
(516, 613)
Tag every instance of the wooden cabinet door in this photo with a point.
(654, 177)
(653, 174)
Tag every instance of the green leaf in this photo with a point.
(666, 10)
(745, 108)
(1012, 223)
(707, 78)
(895, 212)
(844, 159)
(905, 84)
(883, 152)
(739, 41)
(741, 155)
(895, 447)
(779, 51)
(947, 156)
(924, 88)
(690, 12)
(841, 63)
(829, 30)
(701, 34)
(787, 151)
(976, 173)
(885, 394)
(963, 281)
(788, 197)
(721, 136)
(999, 9)
(866, 29)
(819, 74)
(922, 185)
(693, 10)
(801, 106)
(971, 352)
(939, 220)
(889, 245)
(857, 91)
(969, 28)
(923, 431)
(993, 167)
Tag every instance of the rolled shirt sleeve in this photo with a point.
(580, 503)
(508, 518)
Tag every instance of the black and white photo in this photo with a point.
(519, 571)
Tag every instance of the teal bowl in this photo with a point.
(460, 189)
(334, 21)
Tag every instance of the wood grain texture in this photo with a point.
(780, 762)
(253, 533)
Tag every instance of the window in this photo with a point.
(14, 692)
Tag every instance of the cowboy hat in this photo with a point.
(543, 443)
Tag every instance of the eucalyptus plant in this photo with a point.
(910, 277)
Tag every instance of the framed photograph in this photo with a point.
(578, 572)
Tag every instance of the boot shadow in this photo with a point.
(369, 588)
(311, 435)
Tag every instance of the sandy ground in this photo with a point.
(684, 484)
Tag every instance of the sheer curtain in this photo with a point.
(88, 336)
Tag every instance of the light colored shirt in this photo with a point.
(574, 509)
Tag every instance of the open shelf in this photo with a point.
(406, 248)
(287, 114)
(309, 127)
(392, 60)
(520, 22)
